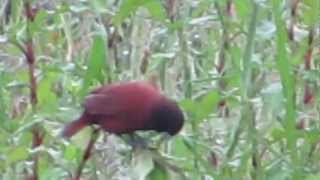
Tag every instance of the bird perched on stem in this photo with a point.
(127, 107)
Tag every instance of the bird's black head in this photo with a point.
(167, 117)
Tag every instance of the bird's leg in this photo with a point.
(138, 141)
(134, 140)
(163, 138)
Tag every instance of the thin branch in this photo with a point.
(87, 154)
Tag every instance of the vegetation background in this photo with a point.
(246, 73)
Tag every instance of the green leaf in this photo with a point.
(52, 174)
(97, 66)
(158, 173)
(44, 164)
(311, 13)
(3, 105)
(242, 8)
(16, 12)
(207, 105)
(278, 134)
(156, 10)
(313, 136)
(127, 8)
(286, 74)
(201, 110)
(71, 152)
(188, 105)
(276, 172)
(39, 22)
(25, 138)
(313, 176)
(47, 98)
(17, 154)
(181, 149)
(99, 6)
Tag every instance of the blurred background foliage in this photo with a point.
(245, 72)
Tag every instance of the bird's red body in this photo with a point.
(127, 107)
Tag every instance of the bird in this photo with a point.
(124, 108)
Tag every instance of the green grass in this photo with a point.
(235, 68)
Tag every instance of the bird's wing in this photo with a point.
(102, 104)
(126, 99)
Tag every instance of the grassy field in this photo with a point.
(246, 74)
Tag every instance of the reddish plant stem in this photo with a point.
(37, 140)
(308, 55)
(220, 67)
(87, 154)
(230, 8)
(293, 13)
(171, 9)
(145, 61)
(31, 63)
(308, 92)
(309, 95)
(28, 51)
(214, 160)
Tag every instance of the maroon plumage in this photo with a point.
(127, 107)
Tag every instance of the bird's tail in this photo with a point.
(75, 126)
